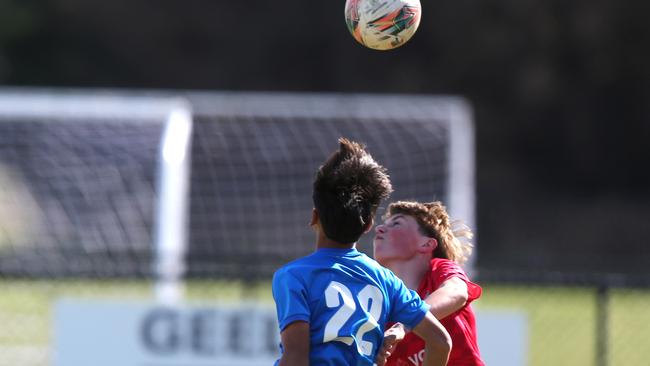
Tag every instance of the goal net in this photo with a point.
(255, 156)
(78, 175)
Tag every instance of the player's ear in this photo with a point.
(369, 225)
(428, 246)
(314, 217)
(433, 243)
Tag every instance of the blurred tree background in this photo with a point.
(561, 92)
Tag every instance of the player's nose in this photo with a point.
(380, 229)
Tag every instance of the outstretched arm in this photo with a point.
(437, 341)
(295, 344)
(451, 296)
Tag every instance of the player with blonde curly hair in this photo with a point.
(423, 247)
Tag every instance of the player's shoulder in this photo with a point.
(291, 274)
(296, 266)
(443, 263)
(364, 258)
(444, 269)
(296, 263)
(381, 273)
(372, 264)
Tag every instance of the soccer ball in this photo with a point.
(382, 24)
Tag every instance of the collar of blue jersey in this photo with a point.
(342, 251)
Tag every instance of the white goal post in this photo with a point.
(174, 118)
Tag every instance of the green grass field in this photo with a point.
(563, 325)
(562, 321)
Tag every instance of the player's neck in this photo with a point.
(323, 242)
(410, 271)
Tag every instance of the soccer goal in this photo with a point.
(80, 172)
(170, 186)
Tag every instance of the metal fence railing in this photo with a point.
(590, 320)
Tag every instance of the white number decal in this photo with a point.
(342, 315)
(370, 299)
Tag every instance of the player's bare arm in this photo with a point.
(295, 341)
(392, 336)
(450, 297)
(437, 341)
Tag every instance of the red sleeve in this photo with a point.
(444, 269)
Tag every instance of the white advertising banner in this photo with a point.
(146, 334)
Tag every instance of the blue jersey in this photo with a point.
(347, 299)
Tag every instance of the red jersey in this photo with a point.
(461, 325)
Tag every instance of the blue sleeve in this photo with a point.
(290, 297)
(407, 307)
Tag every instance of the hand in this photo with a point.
(392, 337)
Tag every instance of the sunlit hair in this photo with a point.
(453, 236)
(347, 191)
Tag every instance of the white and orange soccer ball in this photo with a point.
(382, 24)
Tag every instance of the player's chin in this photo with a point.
(376, 245)
(379, 256)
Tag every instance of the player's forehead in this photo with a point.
(400, 217)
